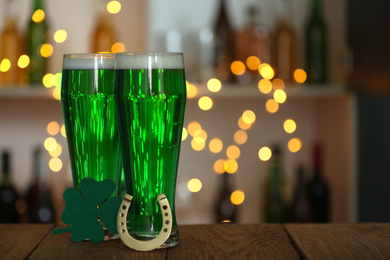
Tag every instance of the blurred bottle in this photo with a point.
(276, 210)
(8, 194)
(103, 36)
(11, 46)
(223, 45)
(39, 202)
(284, 60)
(36, 38)
(316, 45)
(225, 210)
(301, 208)
(253, 40)
(318, 188)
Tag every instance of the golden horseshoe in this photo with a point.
(150, 244)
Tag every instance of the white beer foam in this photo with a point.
(149, 61)
(88, 61)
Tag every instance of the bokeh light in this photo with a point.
(55, 164)
(214, 85)
(53, 128)
(289, 126)
(266, 71)
(205, 103)
(237, 67)
(48, 80)
(249, 117)
(240, 137)
(280, 96)
(118, 47)
(38, 16)
(50, 144)
(114, 7)
(191, 90)
(56, 152)
(265, 153)
(46, 50)
(271, 106)
(198, 143)
(60, 36)
(23, 61)
(215, 145)
(231, 166)
(300, 76)
(219, 166)
(184, 134)
(194, 185)
(278, 84)
(233, 152)
(253, 62)
(237, 197)
(294, 145)
(200, 133)
(265, 86)
(63, 131)
(5, 65)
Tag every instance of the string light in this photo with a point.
(194, 185)
(60, 36)
(205, 103)
(265, 153)
(237, 197)
(23, 61)
(215, 145)
(214, 85)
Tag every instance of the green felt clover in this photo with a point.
(84, 210)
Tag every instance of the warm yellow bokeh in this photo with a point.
(265, 153)
(278, 84)
(237, 197)
(215, 145)
(5, 65)
(240, 137)
(231, 166)
(294, 145)
(184, 134)
(266, 71)
(56, 152)
(205, 103)
(38, 16)
(53, 128)
(63, 131)
(253, 62)
(46, 50)
(58, 78)
(48, 80)
(233, 152)
(249, 117)
(280, 96)
(198, 143)
(56, 94)
(50, 144)
(55, 164)
(214, 85)
(265, 86)
(271, 106)
(237, 67)
(194, 185)
(201, 133)
(23, 61)
(191, 90)
(192, 127)
(60, 36)
(300, 76)
(219, 166)
(114, 7)
(289, 126)
(243, 125)
(118, 47)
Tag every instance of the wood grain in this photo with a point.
(341, 241)
(18, 241)
(62, 247)
(232, 241)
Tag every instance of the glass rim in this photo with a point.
(149, 53)
(149, 60)
(75, 61)
(89, 54)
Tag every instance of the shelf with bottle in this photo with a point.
(229, 90)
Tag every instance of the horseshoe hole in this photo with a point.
(167, 222)
(124, 207)
(122, 223)
(123, 231)
(122, 215)
(165, 207)
(166, 214)
(165, 230)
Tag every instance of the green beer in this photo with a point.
(150, 91)
(90, 117)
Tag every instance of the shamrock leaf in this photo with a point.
(84, 210)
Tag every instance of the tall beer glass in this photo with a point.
(88, 104)
(150, 92)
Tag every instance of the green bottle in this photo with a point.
(276, 210)
(36, 37)
(316, 45)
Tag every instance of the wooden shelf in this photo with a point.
(292, 91)
(27, 92)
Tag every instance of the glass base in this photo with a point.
(172, 240)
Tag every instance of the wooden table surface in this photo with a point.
(221, 241)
